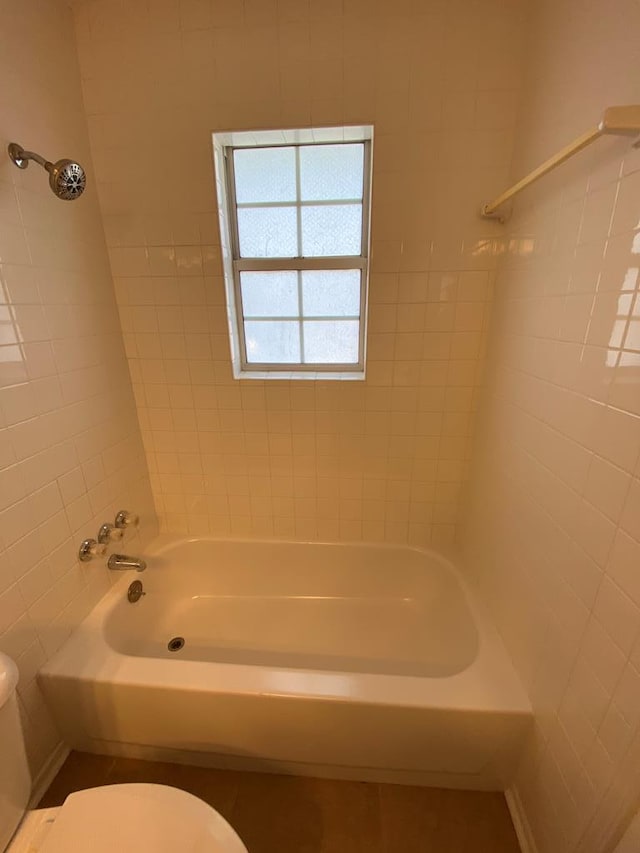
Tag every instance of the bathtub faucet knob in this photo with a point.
(109, 533)
(90, 549)
(126, 519)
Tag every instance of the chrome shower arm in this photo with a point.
(21, 157)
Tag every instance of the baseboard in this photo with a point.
(48, 773)
(520, 822)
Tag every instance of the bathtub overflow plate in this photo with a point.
(175, 644)
(135, 592)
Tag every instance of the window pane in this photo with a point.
(269, 294)
(331, 293)
(329, 172)
(267, 232)
(265, 174)
(277, 341)
(331, 341)
(331, 230)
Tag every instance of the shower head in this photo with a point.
(66, 177)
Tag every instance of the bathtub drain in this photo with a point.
(175, 644)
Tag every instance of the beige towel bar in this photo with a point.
(616, 121)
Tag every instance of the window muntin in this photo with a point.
(298, 217)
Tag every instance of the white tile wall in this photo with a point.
(383, 459)
(70, 448)
(552, 532)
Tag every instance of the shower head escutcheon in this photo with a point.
(66, 177)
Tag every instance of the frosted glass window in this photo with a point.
(267, 232)
(276, 341)
(331, 230)
(292, 216)
(269, 294)
(331, 341)
(265, 174)
(331, 172)
(331, 293)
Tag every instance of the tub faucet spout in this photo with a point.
(120, 563)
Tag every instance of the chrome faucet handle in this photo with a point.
(90, 549)
(126, 519)
(109, 533)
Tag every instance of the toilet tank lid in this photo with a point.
(8, 678)
(139, 818)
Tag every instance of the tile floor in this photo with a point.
(290, 814)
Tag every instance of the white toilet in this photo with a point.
(134, 818)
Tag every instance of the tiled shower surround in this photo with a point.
(382, 459)
(550, 528)
(553, 534)
(70, 449)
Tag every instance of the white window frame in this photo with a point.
(223, 146)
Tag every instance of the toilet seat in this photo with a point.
(139, 818)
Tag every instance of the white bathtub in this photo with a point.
(353, 661)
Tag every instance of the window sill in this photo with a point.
(308, 375)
